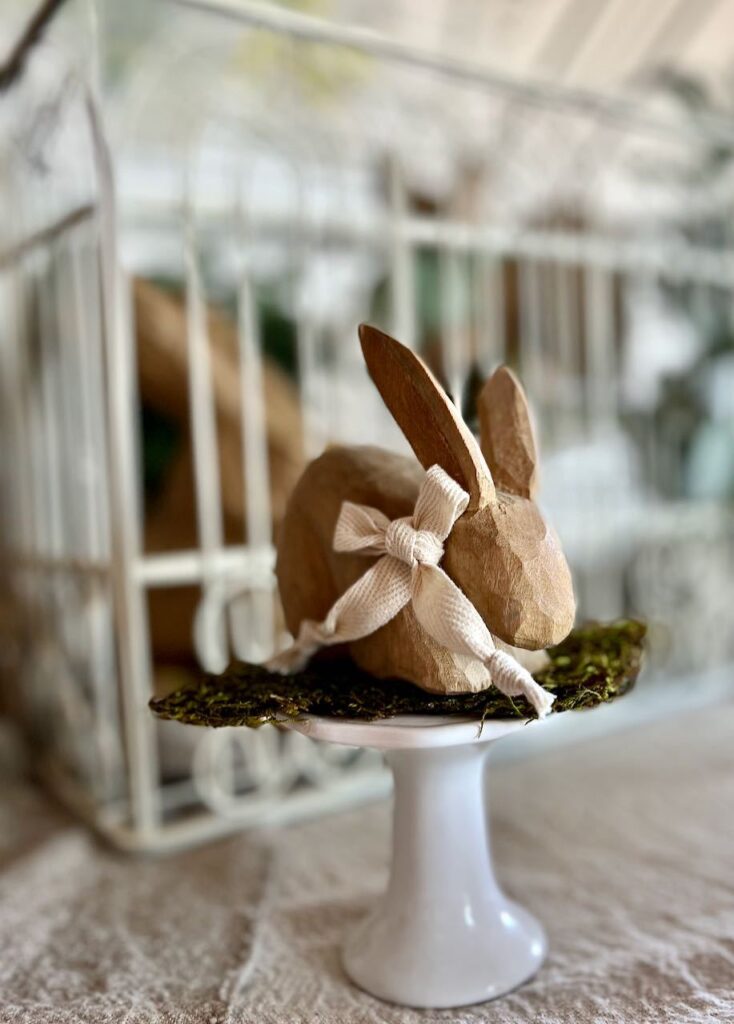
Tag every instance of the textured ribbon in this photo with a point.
(409, 571)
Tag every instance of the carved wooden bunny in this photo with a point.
(500, 552)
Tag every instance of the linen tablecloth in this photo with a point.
(623, 847)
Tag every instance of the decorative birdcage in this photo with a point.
(185, 258)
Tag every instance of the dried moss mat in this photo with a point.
(595, 664)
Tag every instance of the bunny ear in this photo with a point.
(425, 414)
(506, 432)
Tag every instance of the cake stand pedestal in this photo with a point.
(444, 934)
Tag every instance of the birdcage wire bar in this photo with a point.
(76, 549)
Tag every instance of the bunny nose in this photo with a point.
(412, 546)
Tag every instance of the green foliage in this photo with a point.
(593, 665)
(162, 438)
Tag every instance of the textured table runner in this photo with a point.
(624, 847)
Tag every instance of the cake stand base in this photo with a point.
(444, 934)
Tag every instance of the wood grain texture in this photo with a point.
(501, 553)
(311, 575)
(509, 563)
(425, 414)
(507, 436)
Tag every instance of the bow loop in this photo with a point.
(416, 539)
(410, 572)
(440, 503)
(360, 528)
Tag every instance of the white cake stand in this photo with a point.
(444, 934)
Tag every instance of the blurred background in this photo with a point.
(201, 200)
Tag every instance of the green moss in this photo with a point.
(593, 665)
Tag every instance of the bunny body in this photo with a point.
(501, 553)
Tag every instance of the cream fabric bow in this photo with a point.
(409, 571)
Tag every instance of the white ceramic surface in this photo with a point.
(444, 934)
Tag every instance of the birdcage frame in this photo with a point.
(117, 783)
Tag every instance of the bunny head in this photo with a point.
(501, 552)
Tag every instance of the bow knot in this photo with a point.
(414, 547)
(409, 572)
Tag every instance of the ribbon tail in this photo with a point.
(449, 617)
(510, 678)
(370, 602)
(295, 657)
